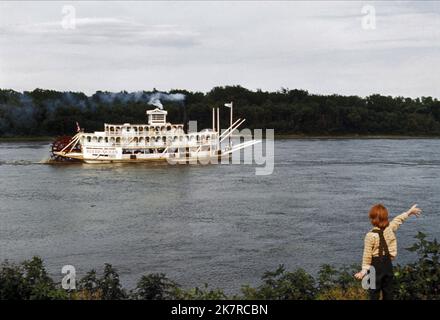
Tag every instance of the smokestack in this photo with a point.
(185, 118)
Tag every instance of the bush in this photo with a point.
(154, 286)
(417, 280)
(420, 280)
(108, 287)
(283, 285)
(28, 281)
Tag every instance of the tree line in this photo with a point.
(52, 113)
(419, 280)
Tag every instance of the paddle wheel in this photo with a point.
(62, 143)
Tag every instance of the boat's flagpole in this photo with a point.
(230, 106)
(218, 127)
(213, 126)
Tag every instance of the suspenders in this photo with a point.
(383, 247)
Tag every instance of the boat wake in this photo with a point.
(17, 162)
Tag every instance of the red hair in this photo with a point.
(379, 216)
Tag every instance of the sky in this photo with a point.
(323, 47)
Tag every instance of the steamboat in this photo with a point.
(158, 140)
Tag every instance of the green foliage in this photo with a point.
(340, 284)
(283, 285)
(47, 112)
(417, 280)
(154, 286)
(355, 292)
(28, 281)
(107, 287)
(110, 284)
(421, 279)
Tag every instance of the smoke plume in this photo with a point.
(23, 113)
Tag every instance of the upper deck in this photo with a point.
(157, 133)
(142, 129)
(157, 124)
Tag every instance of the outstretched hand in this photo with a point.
(414, 211)
(360, 275)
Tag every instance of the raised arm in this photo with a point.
(397, 221)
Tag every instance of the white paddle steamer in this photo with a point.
(157, 140)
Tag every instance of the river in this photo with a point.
(219, 224)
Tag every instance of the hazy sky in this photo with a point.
(317, 46)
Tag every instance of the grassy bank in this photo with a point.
(419, 280)
(277, 137)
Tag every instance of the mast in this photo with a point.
(213, 120)
(218, 128)
(230, 138)
(218, 120)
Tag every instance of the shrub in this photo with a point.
(283, 285)
(28, 281)
(108, 287)
(340, 284)
(154, 286)
(417, 280)
(420, 280)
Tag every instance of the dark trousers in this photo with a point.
(384, 278)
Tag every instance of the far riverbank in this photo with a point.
(277, 136)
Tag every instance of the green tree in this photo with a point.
(155, 286)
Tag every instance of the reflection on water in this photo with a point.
(219, 224)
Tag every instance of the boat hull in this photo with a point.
(164, 158)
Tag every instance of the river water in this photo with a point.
(219, 224)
